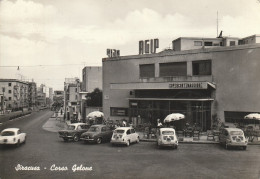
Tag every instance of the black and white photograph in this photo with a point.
(118, 89)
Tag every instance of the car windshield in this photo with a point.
(119, 131)
(236, 133)
(71, 127)
(93, 129)
(7, 133)
(167, 132)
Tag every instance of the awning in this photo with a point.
(171, 99)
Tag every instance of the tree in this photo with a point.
(94, 99)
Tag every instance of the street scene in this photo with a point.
(129, 89)
(56, 158)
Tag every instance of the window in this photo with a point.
(207, 43)
(215, 44)
(147, 71)
(9, 84)
(103, 129)
(201, 67)
(118, 111)
(173, 69)
(10, 98)
(197, 43)
(128, 132)
(232, 43)
(9, 91)
(132, 131)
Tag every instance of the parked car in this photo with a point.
(97, 133)
(73, 131)
(167, 137)
(232, 137)
(124, 135)
(12, 136)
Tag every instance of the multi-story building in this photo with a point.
(41, 96)
(32, 94)
(15, 94)
(201, 83)
(91, 78)
(71, 98)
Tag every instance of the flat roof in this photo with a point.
(13, 80)
(184, 52)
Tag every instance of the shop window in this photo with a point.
(197, 43)
(201, 67)
(207, 43)
(147, 71)
(118, 111)
(232, 43)
(173, 69)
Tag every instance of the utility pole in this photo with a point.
(217, 23)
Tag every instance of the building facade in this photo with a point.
(203, 84)
(14, 94)
(32, 94)
(72, 101)
(91, 78)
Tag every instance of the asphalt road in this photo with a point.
(46, 151)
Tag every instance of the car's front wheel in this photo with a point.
(76, 138)
(226, 146)
(244, 147)
(65, 139)
(127, 143)
(99, 140)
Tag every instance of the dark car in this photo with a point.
(98, 134)
(73, 131)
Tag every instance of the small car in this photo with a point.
(97, 133)
(124, 135)
(12, 136)
(232, 137)
(167, 137)
(73, 131)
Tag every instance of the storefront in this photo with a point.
(149, 105)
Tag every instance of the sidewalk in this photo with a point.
(54, 125)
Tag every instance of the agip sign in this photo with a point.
(148, 46)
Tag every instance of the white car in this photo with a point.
(167, 137)
(124, 135)
(232, 137)
(12, 136)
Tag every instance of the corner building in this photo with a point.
(203, 84)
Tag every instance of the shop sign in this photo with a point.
(190, 85)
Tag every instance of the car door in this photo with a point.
(20, 136)
(128, 135)
(133, 135)
(103, 133)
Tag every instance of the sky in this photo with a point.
(51, 40)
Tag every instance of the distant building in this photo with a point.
(91, 78)
(72, 100)
(32, 94)
(14, 94)
(41, 96)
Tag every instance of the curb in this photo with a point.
(195, 142)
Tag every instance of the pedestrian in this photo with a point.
(124, 123)
(159, 124)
